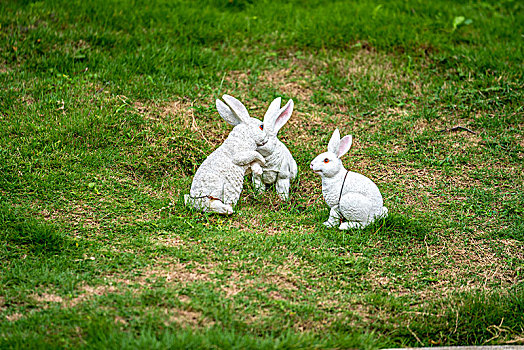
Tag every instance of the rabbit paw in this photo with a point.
(256, 169)
(349, 225)
(330, 224)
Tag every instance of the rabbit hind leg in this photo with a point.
(258, 184)
(356, 209)
(217, 206)
(210, 205)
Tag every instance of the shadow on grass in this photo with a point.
(23, 235)
(476, 318)
(396, 229)
(34, 254)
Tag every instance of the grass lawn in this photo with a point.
(107, 110)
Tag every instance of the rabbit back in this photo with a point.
(218, 177)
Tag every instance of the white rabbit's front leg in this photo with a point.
(257, 181)
(282, 187)
(256, 169)
(334, 217)
(247, 157)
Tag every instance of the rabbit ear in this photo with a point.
(227, 114)
(334, 142)
(345, 145)
(237, 107)
(272, 111)
(283, 116)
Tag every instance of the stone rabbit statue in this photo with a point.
(355, 200)
(280, 167)
(218, 181)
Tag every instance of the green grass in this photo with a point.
(107, 110)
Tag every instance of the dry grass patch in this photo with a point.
(432, 189)
(284, 277)
(181, 115)
(170, 241)
(375, 66)
(79, 214)
(181, 274)
(296, 82)
(261, 220)
(455, 265)
(86, 292)
(186, 318)
(14, 317)
(170, 273)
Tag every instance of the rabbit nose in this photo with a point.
(311, 165)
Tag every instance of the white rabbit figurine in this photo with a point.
(352, 197)
(280, 166)
(218, 182)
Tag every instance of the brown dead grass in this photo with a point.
(180, 114)
(187, 318)
(86, 292)
(170, 241)
(267, 226)
(14, 317)
(296, 82)
(79, 214)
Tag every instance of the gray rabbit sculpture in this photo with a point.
(280, 167)
(218, 182)
(354, 199)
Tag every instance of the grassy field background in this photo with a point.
(107, 110)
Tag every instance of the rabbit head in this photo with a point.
(274, 119)
(236, 114)
(328, 164)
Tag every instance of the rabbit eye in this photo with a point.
(261, 126)
(326, 160)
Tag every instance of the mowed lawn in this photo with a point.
(107, 108)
